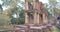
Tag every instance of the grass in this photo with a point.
(56, 29)
(1, 28)
(7, 27)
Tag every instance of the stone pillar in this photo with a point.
(36, 4)
(36, 8)
(26, 5)
(38, 19)
(26, 19)
(35, 18)
(31, 20)
(45, 18)
(26, 9)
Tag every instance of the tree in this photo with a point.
(22, 16)
(19, 13)
(57, 10)
(13, 7)
(52, 5)
(11, 3)
(20, 19)
(1, 9)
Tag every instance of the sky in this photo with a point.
(1, 2)
(44, 1)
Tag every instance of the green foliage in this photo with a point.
(1, 9)
(12, 3)
(6, 2)
(17, 21)
(14, 20)
(22, 13)
(31, 0)
(21, 18)
(57, 10)
(52, 2)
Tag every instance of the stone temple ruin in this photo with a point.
(35, 13)
(35, 18)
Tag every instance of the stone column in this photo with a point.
(38, 19)
(26, 5)
(45, 19)
(26, 9)
(26, 19)
(31, 20)
(36, 8)
(35, 18)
